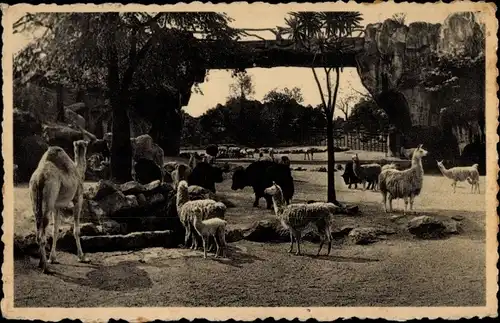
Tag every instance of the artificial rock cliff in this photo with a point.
(395, 55)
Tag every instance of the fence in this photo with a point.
(361, 140)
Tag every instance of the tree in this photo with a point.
(345, 104)
(106, 50)
(321, 32)
(242, 87)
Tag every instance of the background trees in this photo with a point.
(321, 32)
(116, 51)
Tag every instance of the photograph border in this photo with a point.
(11, 13)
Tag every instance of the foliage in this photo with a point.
(284, 95)
(399, 18)
(280, 121)
(367, 115)
(242, 87)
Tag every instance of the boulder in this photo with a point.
(110, 227)
(363, 235)
(132, 199)
(74, 118)
(113, 203)
(426, 227)
(89, 229)
(27, 154)
(105, 188)
(132, 187)
(92, 212)
(458, 217)
(234, 234)
(152, 185)
(62, 136)
(265, 231)
(452, 227)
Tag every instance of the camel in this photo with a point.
(55, 184)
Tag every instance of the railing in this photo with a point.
(361, 140)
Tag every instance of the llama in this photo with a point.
(297, 217)
(181, 172)
(56, 183)
(389, 166)
(404, 184)
(366, 173)
(187, 209)
(215, 227)
(461, 174)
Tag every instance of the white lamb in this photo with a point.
(461, 174)
(215, 227)
(298, 217)
(405, 184)
(205, 209)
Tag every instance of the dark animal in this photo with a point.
(349, 176)
(260, 175)
(205, 175)
(212, 150)
(147, 171)
(99, 146)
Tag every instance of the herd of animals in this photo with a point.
(58, 182)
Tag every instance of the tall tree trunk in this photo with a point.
(121, 149)
(60, 103)
(332, 196)
(166, 128)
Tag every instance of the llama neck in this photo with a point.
(278, 202)
(182, 195)
(416, 164)
(443, 170)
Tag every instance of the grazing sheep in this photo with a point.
(349, 176)
(215, 227)
(460, 174)
(404, 184)
(260, 175)
(366, 173)
(299, 217)
(187, 209)
(205, 175)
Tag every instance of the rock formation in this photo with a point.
(397, 59)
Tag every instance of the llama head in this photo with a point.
(440, 163)
(272, 190)
(183, 185)
(420, 152)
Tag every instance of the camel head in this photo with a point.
(80, 148)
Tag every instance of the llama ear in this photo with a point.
(420, 146)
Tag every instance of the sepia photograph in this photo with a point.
(314, 160)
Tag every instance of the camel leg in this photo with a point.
(77, 209)
(55, 235)
(41, 237)
(291, 242)
(406, 205)
(478, 189)
(454, 187)
(186, 235)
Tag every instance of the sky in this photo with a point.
(216, 86)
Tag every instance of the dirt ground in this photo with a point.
(398, 271)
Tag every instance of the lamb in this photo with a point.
(187, 209)
(366, 173)
(403, 184)
(460, 174)
(215, 227)
(299, 217)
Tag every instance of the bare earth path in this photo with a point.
(399, 271)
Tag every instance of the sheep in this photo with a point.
(187, 209)
(366, 173)
(260, 175)
(215, 227)
(404, 184)
(299, 217)
(460, 174)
